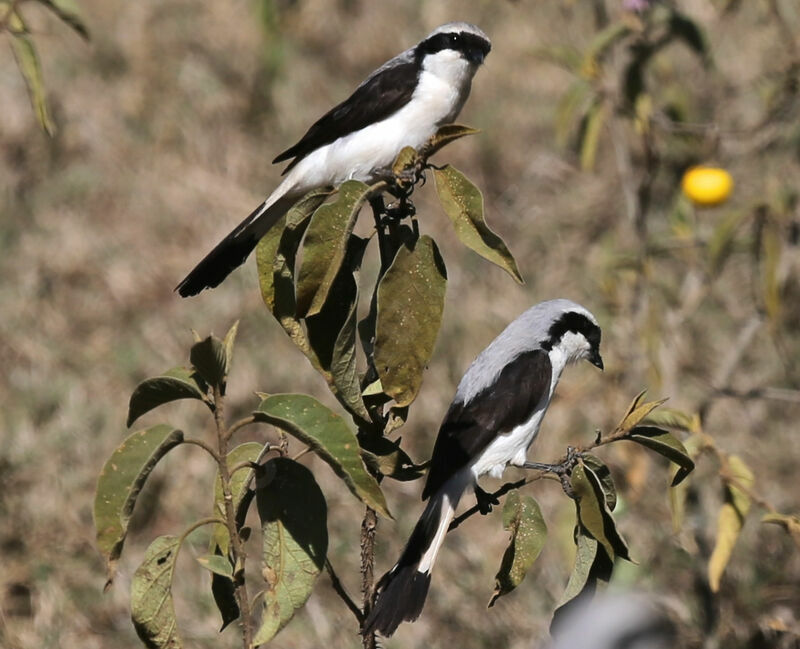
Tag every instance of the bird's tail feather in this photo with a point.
(231, 252)
(402, 590)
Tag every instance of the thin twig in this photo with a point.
(244, 421)
(340, 590)
(203, 445)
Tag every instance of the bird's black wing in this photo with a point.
(381, 95)
(468, 428)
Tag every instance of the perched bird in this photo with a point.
(492, 421)
(402, 103)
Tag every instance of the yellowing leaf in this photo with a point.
(637, 411)
(294, 527)
(152, 610)
(119, 484)
(463, 203)
(410, 306)
(523, 518)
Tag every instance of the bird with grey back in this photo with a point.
(491, 423)
(402, 103)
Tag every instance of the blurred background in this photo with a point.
(589, 112)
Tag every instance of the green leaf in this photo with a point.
(209, 358)
(463, 203)
(174, 384)
(216, 564)
(603, 475)
(672, 418)
(666, 444)
(731, 518)
(591, 134)
(325, 246)
(523, 518)
(119, 484)
(294, 527)
(593, 513)
(152, 609)
(328, 436)
(276, 252)
(592, 564)
(384, 456)
(70, 13)
(343, 363)
(410, 305)
(29, 66)
(789, 523)
(247, 452)
(444, 136)
(637, 411)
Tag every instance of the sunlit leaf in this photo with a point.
(172, 385)
(405, 161)
(410, 305)
(462, 201)
(294, 528)
(603, 474)
(666, 444)
(789, 523)
(152, 609)
(328, 436)
(217, 564)
(70, 13)
(730, 519)
(325, 246)
(671, 418)
(523, 518)
(31, 69)
(445, 135)
(119, 484)
(637, 411)
(594, 514)
(228, 341)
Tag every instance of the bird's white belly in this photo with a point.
(509, 448)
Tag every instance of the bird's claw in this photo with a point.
(485, 500)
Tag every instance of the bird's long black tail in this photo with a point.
(402, 590)
(231, 252)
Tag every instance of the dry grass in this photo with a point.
(167, 123)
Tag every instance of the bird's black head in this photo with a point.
(579, 336)
(466, 39)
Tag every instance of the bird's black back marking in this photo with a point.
(468, 428)
(380, 96)
(576, 323)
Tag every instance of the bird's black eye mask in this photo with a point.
(576, 323)
(464, 42)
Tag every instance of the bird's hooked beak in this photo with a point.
(475, 55)
(595, 359)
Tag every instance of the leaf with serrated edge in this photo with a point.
(247, 452)
(789, 523)
(410, 306)
(271, 243)
(29, 66)
(119, 484)
(172, 385)
(70, 13)
(463, 203)
(152, 610)
(523, 518)
(328, 436)
(666, 444)
(325, 246)
(294, 528)
(217, 564)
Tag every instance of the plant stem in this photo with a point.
(340, 590)
(203, 445)
(237, 548)
(368, 526)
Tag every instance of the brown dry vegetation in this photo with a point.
(167, 123)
